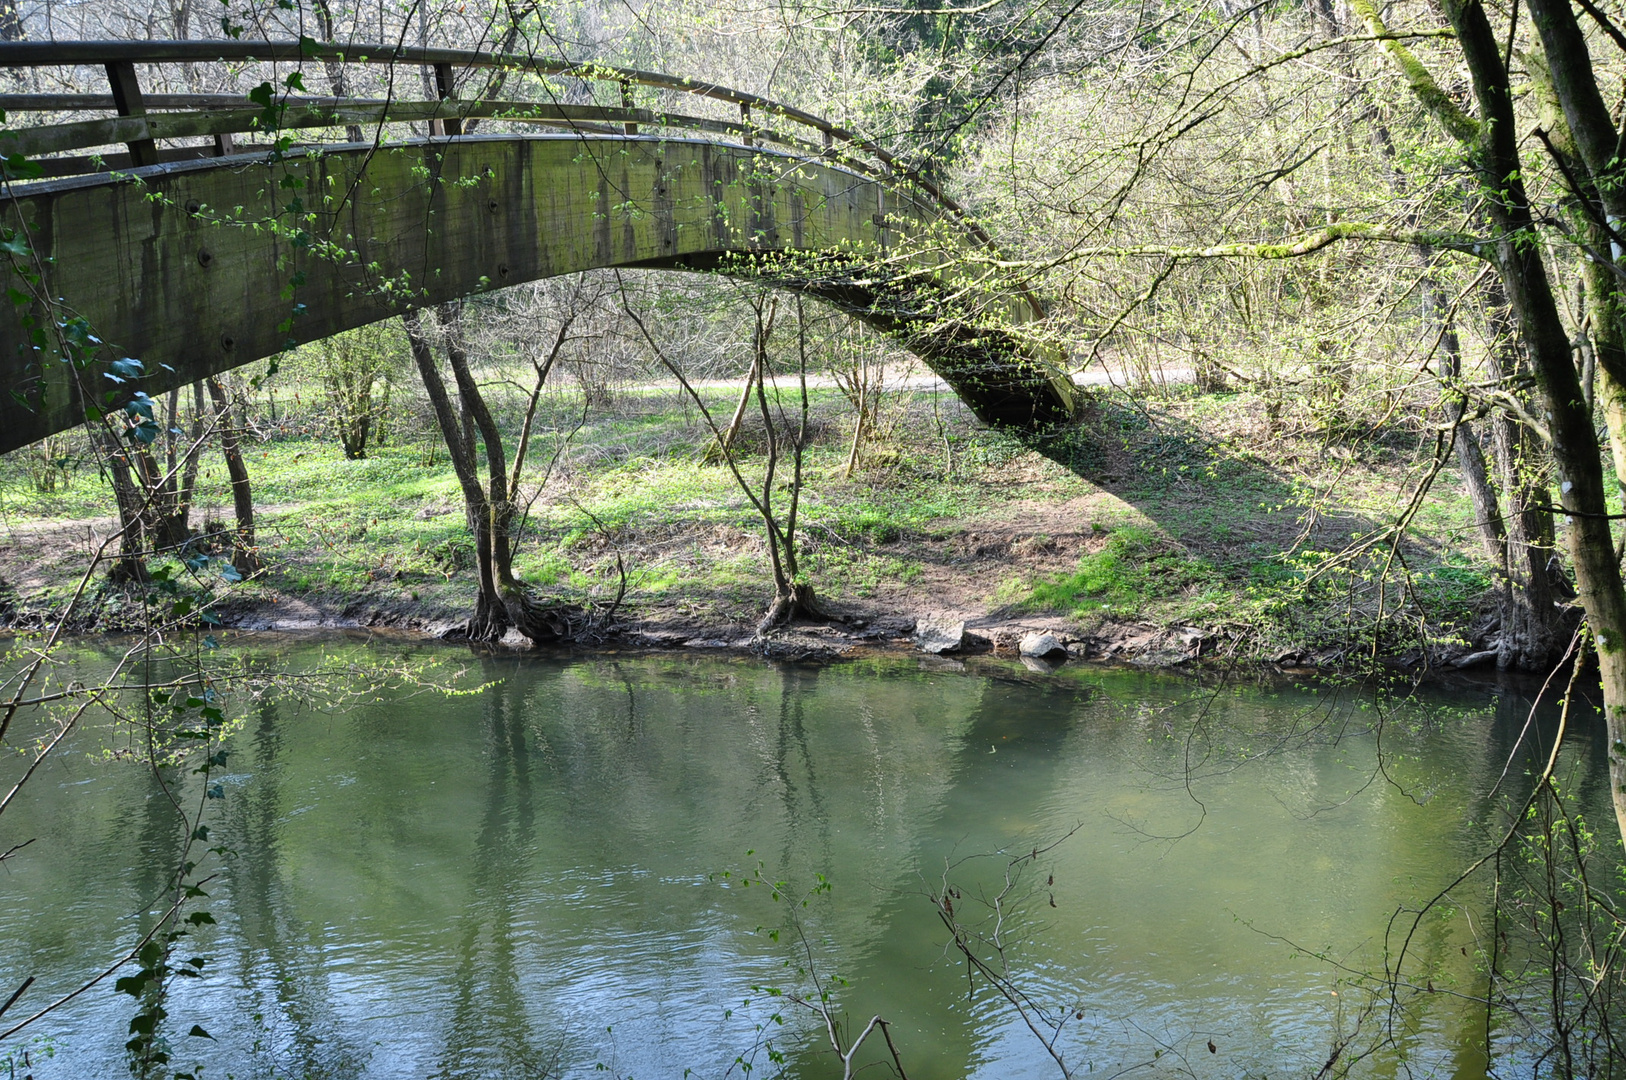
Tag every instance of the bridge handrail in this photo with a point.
(120, 56)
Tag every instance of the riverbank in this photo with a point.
(1185, 527)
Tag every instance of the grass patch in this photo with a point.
(1134, 568)
(1176, 510)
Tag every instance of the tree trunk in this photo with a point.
(501, 601)
(490, 620)
(1518, 259)
(498, 510)
(131, 564)
(731, 432)
(1528, 622)
(793, 599)
(1531, 627)
(245, 555)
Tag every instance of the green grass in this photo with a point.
(1183, 511)
(1135, 568)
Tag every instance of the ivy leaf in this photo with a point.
(198, 1033)
(127, 367)
(17, 167)
(139, 405)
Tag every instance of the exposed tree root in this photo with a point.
(539, 620)
(798, 603)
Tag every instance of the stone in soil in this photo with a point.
(1039, 646)
(939, 635)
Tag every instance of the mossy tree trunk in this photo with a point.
(154, 493)
(1493, 151)
(502, 601)
(245, 552)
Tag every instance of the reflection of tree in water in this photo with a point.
(279, 961)
(160, 837)
(796, 685)
(1554, 992)
(1030, 725)
(490, 1031)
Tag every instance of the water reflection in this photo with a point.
(284, 987)
(491, 1030)
(545, 877)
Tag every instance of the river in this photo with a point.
(547, 873)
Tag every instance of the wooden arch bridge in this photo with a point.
(197, 230)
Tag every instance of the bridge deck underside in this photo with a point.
(199, 267)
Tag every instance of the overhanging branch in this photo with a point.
(1304, 244)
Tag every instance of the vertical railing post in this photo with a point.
(451, 125)
(627, 103)
(829, 144)
(121, 76)
(745, 118)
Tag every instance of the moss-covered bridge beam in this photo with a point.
(195, 268)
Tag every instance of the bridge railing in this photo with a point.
(141, 122)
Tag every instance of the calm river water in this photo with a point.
(543, 877)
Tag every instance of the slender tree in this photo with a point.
(467, 425)
(1491, 148)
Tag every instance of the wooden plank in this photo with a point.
(34, 142)
(61, 53)
(121, 76)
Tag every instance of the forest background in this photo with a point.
(1316, 431)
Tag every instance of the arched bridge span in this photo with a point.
(205, 253)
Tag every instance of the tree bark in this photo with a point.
(490, 620)
(1577, 455)
(502, 601)
(131, 564)
(245, 555)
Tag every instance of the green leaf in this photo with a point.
(17, 167)
(198, 1033)
(138, 406)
